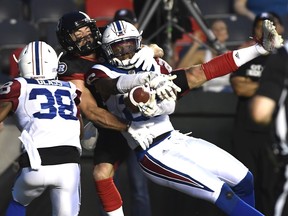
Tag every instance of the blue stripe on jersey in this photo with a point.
(37, 59)
(66, 84)
(113, 68)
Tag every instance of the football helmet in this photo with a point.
(71, 22)
(38, 60)
(120, 41)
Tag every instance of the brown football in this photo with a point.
(136, 95)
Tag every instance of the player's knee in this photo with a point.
(103, 171)
(245, 186)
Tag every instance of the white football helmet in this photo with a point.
(38, 60)
(120, 41)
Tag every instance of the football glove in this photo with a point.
(270, 40)
(144, 58)
(141, 134)
(164, 86)
(149, 108)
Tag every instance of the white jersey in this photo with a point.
(190, 165)
(41, 106)
(115, 104)
(47, 116)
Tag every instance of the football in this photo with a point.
(135, 96)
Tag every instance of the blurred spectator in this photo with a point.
(198, 54)
(251, 8)
(126, 15)
(251, 142)
(80, 4)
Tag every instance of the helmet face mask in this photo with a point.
(85, 44)
(71, 23)
(123, 48)
(38, 60)
(120, 41)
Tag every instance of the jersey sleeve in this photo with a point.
(94, 74)
(165, 68)
(10, 92)
(77, 98)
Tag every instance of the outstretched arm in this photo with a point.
(96, 114)
(228, 62)
(219, 66)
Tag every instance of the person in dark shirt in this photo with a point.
(269, 106)
(251, 142)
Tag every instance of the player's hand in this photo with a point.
(144, 58)
(164, 86)
(270, 40)
(141, 134)
(149, 108)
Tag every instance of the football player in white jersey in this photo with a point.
(50, 125)
(187, 164)
(79, 36)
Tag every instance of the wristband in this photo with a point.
(181, 82)
(244, 55)
(219, 66)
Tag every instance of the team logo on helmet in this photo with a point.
(62, 67)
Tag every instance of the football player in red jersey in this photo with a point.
(80, 37)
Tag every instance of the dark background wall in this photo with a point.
(206, 115)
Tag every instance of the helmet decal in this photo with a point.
(38, 66)
(118, 28)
